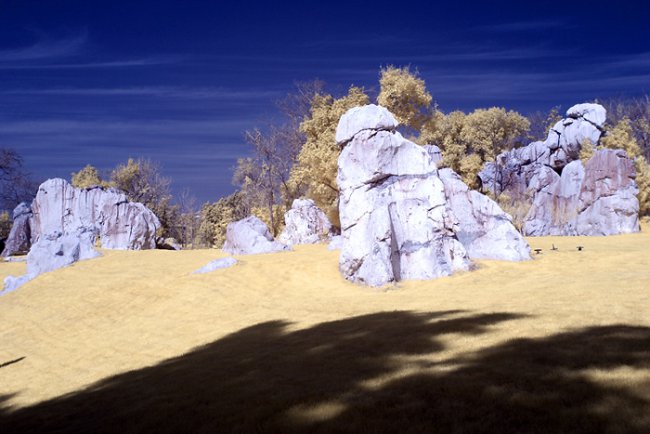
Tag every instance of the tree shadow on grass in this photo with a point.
(268, 378)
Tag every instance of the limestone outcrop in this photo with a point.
(20, 236)
(514, 169)
(598, 198)
(569, 198)
(484, 229)
(53, 251)
(250, 236)
(107, 213)
(305, 223)
(395, 223)
(64, 223)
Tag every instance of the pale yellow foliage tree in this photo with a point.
(87, 177)
(405, 94)
(587, 150)
(643, 182)
(5, 224)
(316, 169)
(622, 137)
(216, 216)
(489, 132)
(142, 181)
(448, 135)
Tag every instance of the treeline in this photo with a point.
(298, 156)
(142, 181)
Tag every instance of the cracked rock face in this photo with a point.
(395, 222)
(20, 236)
(598, 198)
(568, 198)
(250, 236)
(305, 223)
(483, 228)
(368, 117)
(516, 168)
(106, 213)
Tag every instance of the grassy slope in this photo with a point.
(134, 342)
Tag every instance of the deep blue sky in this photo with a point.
(178, 81)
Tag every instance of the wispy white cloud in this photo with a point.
(70, 53)
(153, 91)
(46, 49)
(126, 63)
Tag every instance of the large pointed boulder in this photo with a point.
(395, 223)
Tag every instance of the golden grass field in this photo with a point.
(133, 342)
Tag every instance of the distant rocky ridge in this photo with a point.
(397, 215)
(569, 198)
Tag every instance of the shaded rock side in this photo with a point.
(569, 198)
(20, 236)
(250, 236)
(608, 202)
(107, 213)
(305, 223)
(168, 244)
(483, 228)
(596, 199)
(555, 204)
(514, 169)
(395, 223)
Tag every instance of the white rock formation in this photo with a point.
(596, 199)
(395, 223)
(336, 242)
(568, 198)
(250, 236)
(434, 153)
(608, 202)
(53, 251)
(593, 113)
(483, 229)
(305, 223)
(107, 213)
(516, 168)
(368, 117)
(217, 264)
(20, 236)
